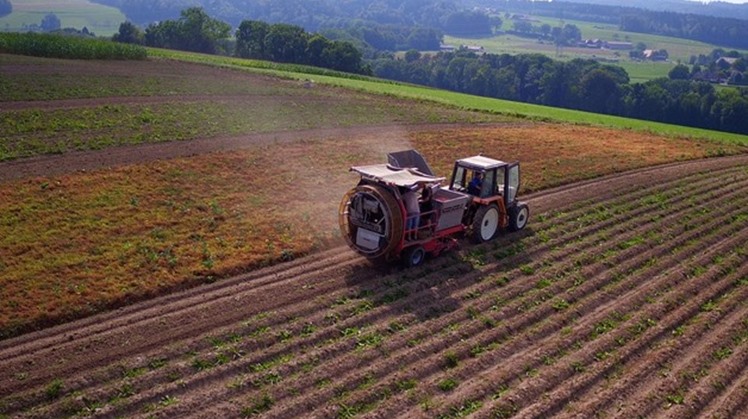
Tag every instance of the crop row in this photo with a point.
(579, 298)
(58, 46)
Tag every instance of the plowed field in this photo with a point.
(625, 296)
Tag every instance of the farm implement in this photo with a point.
(400, 210)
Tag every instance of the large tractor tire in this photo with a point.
(486, 223)
(518, 216)
(371, 221)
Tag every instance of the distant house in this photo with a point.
(591, 43)
(444, 47)
(473, 48)
(727, 61)
(619, 45)
(655, 54)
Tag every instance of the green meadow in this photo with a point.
(460, 100)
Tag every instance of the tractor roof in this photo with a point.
(406, 177)
(480, 162)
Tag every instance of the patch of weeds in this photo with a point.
(543, 283)
(635, 241)
(475, 258)
(708, 306)
(641, 326)
(472, 313)
(201, 364)
(404, 385)
(602, 355)
(395, 327)
(167, 401)
(157, 363)
(527, 269)
(349, 411)
(472, 295)
(363, 307)
(447, 384)
(578, 367)
(560, 304)
(308, 329)
(500, 391)
(500, 282)
(258, 406)
(548, 360)
(134, 372)
(123, 392)
(412, 343)
(284, 335)
(674, 399)
(451, 360)
(465, 409)
(489, 322)
(323, 382)
(350, 331)
(722, 353)
(477, 350)
(678, 331)
(369, 339)
(54, 388)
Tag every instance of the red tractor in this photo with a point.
(400, 210)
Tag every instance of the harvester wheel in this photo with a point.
(413, 256)
(518, 216)
(380, 201)
(486, 223)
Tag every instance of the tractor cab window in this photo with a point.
(460, 181)
(513, 183)
(488, 188)
(500, 175)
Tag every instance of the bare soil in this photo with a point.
(333, 335)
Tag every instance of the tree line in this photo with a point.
(580, 84)
(196, 31)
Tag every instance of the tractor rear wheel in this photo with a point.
(518, 216)
(486, 223)
(413, 256)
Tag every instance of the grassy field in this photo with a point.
(460, 100)
(99, 19)
(679, 50)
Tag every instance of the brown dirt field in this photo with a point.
(626, 296)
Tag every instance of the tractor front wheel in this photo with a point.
(518, 216)
(413, 256)
(486, 223)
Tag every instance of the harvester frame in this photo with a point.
(375, 222)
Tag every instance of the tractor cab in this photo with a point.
(486, 179)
